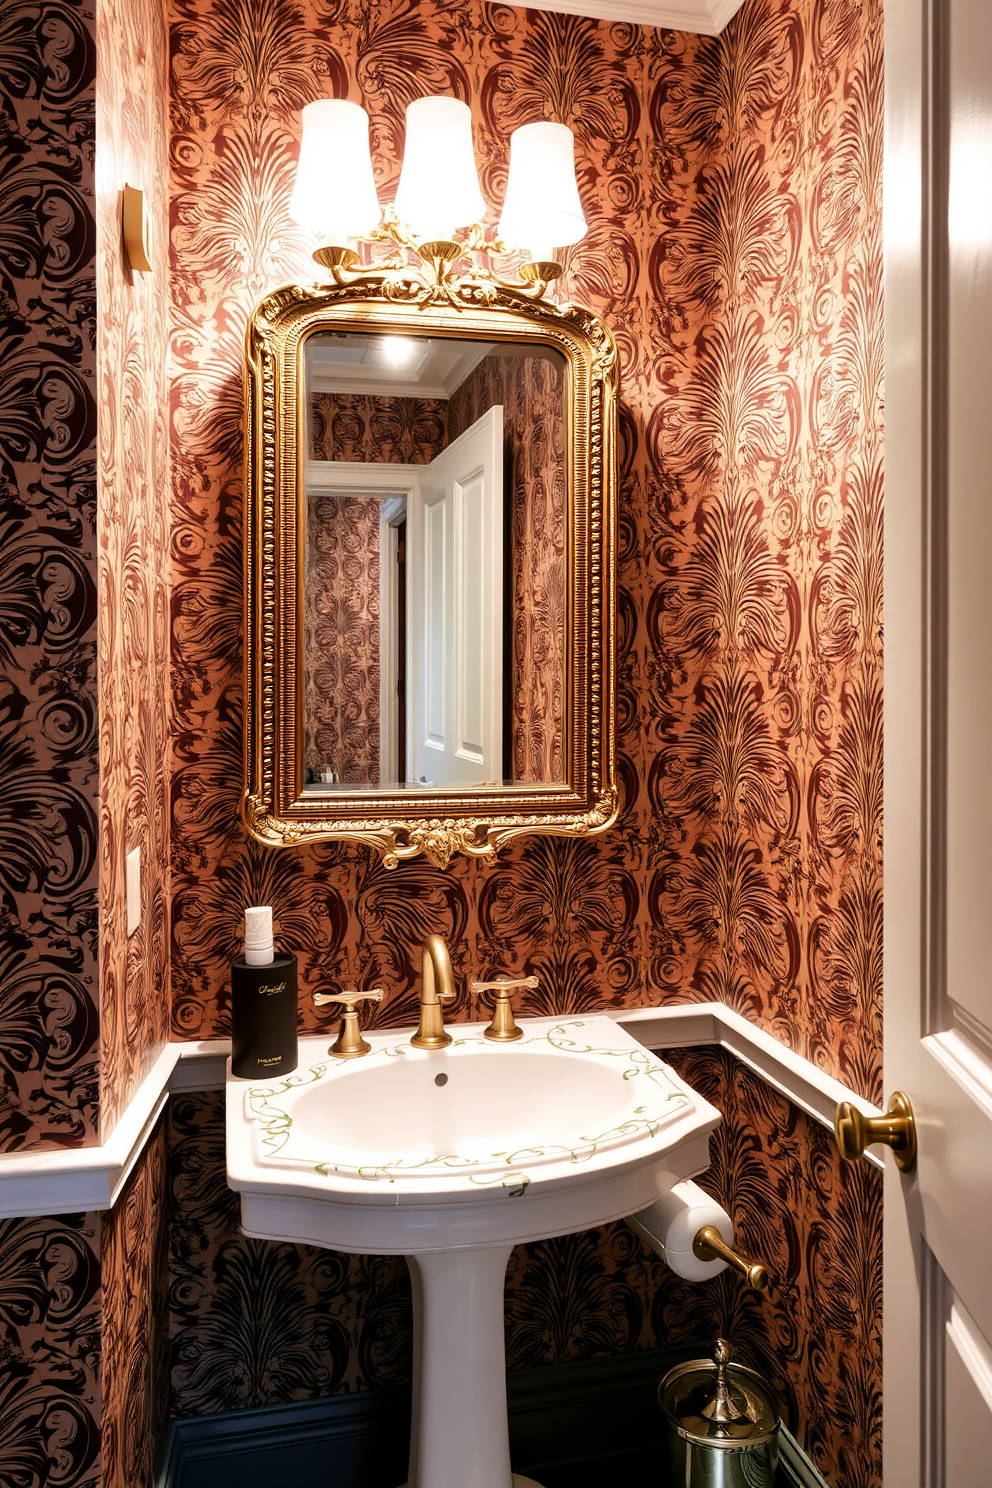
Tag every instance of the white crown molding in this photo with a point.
(705, 17)
(90, 1178)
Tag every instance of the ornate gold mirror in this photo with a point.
(430, 500)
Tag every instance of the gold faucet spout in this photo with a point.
(436, 986)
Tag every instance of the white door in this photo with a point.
(455, 568)
(938, 785)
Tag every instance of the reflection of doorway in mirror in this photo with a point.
(403, 619)
(368, 414)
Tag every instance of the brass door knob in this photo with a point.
(709, 1245)
(896, 1129)
(349, 1043)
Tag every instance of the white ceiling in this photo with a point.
(354, 363)
(707, 17)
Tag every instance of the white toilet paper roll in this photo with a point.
(671, 1223)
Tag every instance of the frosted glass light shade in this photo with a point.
(541, 210)
(335, 189)
(439, 183)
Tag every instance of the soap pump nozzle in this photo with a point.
(259, 949)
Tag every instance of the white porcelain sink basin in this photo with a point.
(567, 1093)
(451, 1157)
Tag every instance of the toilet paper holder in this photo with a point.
(694, 1236)
(709, 1245)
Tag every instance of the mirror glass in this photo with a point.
(435, 577)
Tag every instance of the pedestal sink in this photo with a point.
(451, 1158)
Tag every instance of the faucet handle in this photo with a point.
(349, 998)
(503, 1029)
(349, 1043)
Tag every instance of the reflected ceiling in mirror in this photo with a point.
(435, 572)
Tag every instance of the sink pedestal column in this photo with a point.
(459, 1435)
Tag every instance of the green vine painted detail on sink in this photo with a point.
(276, 1122)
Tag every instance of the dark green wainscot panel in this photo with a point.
(572, 1425)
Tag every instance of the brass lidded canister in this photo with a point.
(723, 1423)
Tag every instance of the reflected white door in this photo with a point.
(938, 785)
(455, 608)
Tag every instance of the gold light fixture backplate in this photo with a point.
(136, 229)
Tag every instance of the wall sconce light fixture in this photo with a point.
(436, 221)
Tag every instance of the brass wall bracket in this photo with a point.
(136, 230)
(709, 1245)
(349, 1043)
(896, 1129)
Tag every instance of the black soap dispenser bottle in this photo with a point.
(263, 1004)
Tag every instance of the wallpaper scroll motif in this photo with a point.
(50, 1303)
(133, 547)
(388, 431)
(341, 637)
(318, 1321)
(732, 190)
(48, 723)
(134, 1252)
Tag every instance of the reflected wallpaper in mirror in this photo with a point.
(435, 575)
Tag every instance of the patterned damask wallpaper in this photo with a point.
(390, 431)
(135, 1361)
(48, 575)
(817, 1221)
(50, 1323)
(133, 535)
(84, 479)
(83, 717)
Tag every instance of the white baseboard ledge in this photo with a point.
(86, 1178)
(90, 1178)
(803, 1083)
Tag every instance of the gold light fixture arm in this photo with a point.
(349, 1043)
(504, 1029)
(896, 1129)
(434, 261)
(709, 1245)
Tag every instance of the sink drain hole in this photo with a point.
(440, 1079)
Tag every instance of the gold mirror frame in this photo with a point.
(438, 823)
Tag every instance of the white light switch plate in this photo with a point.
(132, 880)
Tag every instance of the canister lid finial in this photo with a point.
(719, 1402)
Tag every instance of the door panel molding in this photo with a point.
(937, 713)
